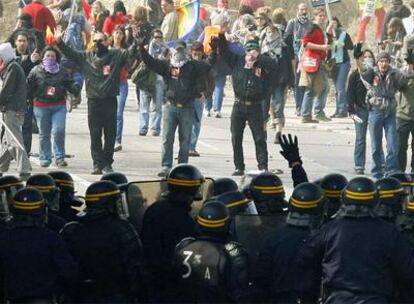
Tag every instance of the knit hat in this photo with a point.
(252, 44)
(383, 55)
(7, 53)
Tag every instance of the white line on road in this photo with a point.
(207, 145)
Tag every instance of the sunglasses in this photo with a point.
(98, 40)
(157, 37)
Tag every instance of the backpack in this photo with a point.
(144, 78)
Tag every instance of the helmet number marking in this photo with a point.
(188, 255)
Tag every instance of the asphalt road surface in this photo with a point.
(325, 147)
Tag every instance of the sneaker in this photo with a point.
(96, 171)
(322, 117)
(359, 171)
(164, 172)
(107, 169)
(339, 116)
(193, 153)
(60, 163)
(155, 133)
(298, 113)
(117, 148)
(277, 137)
(308, 119)
(207, 113)
(45, 163)
(217, 115)
(143, 133)
(238, 172)
(24, 176)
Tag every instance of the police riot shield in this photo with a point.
(252, 231)
(142, 194)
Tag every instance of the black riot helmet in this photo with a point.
(117, 177)
(332, 186)
(266, 189)
(406, 181)
(360, 191)
(214, 219)
(9, 185)
(391, 198)
(28, 202)
(47, 186)
(235, 201)
(184, 178)
(102, 197)
(223, 185)
(306, 206)
(63, 181)
(409, 208)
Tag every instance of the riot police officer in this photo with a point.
(268, 194)
(276, 277)
(117, 177)
(209, 268)
(406, 181)
(406, 223)
(391, 199)
(167, 222)
(67, 198)
(332, 186)
(34, 261)
(47, 186)
(107, 249)
(9, 185)
(236, 202)
(223, 185)
(361, 256)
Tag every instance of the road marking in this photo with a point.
(207, 145)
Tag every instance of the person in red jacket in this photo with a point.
(42, 17)
(118, 17)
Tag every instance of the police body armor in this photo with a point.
(203, 263)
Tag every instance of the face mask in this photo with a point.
(50, 65)
(369, 62)
(100, 49)
(178, 59)
(303, 19)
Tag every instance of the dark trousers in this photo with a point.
(253, 114)
(404, 129)
(27, 129)
(102, 119)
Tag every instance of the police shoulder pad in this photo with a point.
(71, 228)
(185, 242)
(235, 249)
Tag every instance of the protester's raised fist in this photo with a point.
(290, 149)
(35, 56)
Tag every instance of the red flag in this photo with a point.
(86, 8)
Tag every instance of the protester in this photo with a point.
(13, 104)
(98, 16)
(118, 17)
(24, 24)
(363, 20)
(339, 54)
(397, 9)
(243, 10)
(102, 68)
(42, 18)
(169, 26)
(314, 75)
(48, 86)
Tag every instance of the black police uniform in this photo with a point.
(251, 87)
(34, 261)
(332, 186)
(361, 256)
(107, 249)
(276, 277)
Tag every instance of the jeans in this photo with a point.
(360, 138)
(9, 148)
(404, 129)
(218, 95)
(27, 129)
(377, 122)
(121, 98)
(173, 117)
(298, 92)
(102, 119)
(342, 70)
(278, 104)
(51, 120)
(198, 115)
(148, 116)
(253, 114)
(316, 102)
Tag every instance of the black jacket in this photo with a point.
(36, 39)
(102, 74)
(48, 87)
(182, 84)
(13, 94)
(34, 261)
(356, 92)
(210, 270)
(360, 256)
(253, 84)
(109, 253)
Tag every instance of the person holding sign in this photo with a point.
(367, 9)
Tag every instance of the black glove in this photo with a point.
(214, 44)
(357, 50)
(290, 149)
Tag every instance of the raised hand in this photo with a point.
(290, 149)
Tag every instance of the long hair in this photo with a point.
(53, 49)
(119, 28)
(118, 7)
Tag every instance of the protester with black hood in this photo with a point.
(102, 69)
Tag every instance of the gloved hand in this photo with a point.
(356, 118)
(290, 149)
(358, 50)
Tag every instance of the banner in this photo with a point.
(369, 9)
(316, 3)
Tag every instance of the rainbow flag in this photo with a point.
(188, 15)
